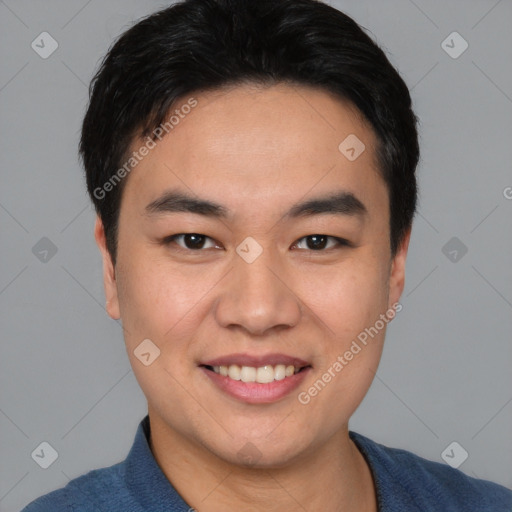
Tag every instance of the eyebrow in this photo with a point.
(344, 203)
(173, 201)
(341, 202)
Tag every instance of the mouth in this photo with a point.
(262, 374)
(256, 380)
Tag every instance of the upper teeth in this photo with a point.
(262, 375)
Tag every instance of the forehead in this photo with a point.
(248, 144)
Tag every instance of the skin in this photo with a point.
(257, 151)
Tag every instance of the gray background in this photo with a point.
(445, 374)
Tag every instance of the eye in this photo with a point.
(192, 241)
(320, 242)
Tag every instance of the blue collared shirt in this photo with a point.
(404, 483)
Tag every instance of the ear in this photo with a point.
(109, 276)
(397, 273)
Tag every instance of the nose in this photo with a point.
(258, 297)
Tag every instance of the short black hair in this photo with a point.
(203, 45)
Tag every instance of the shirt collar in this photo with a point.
(150, 487)
(389, 480)
(146, 481)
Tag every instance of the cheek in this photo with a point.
(349, 298)
(350, 302)
(161, 304)
(160, 301)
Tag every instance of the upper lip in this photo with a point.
(256, 361)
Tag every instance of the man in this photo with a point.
(252, 165)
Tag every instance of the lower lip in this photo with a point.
(255, 393)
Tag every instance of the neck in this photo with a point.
(335, 477)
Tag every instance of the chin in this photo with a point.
(262, 451)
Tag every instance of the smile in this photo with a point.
(256, 380)
(261, 375)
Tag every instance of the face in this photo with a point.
(251, 247)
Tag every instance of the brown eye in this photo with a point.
(320, 242)
(316, 242)
(192, 241)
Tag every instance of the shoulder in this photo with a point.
(87, 493)
(405, 478)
